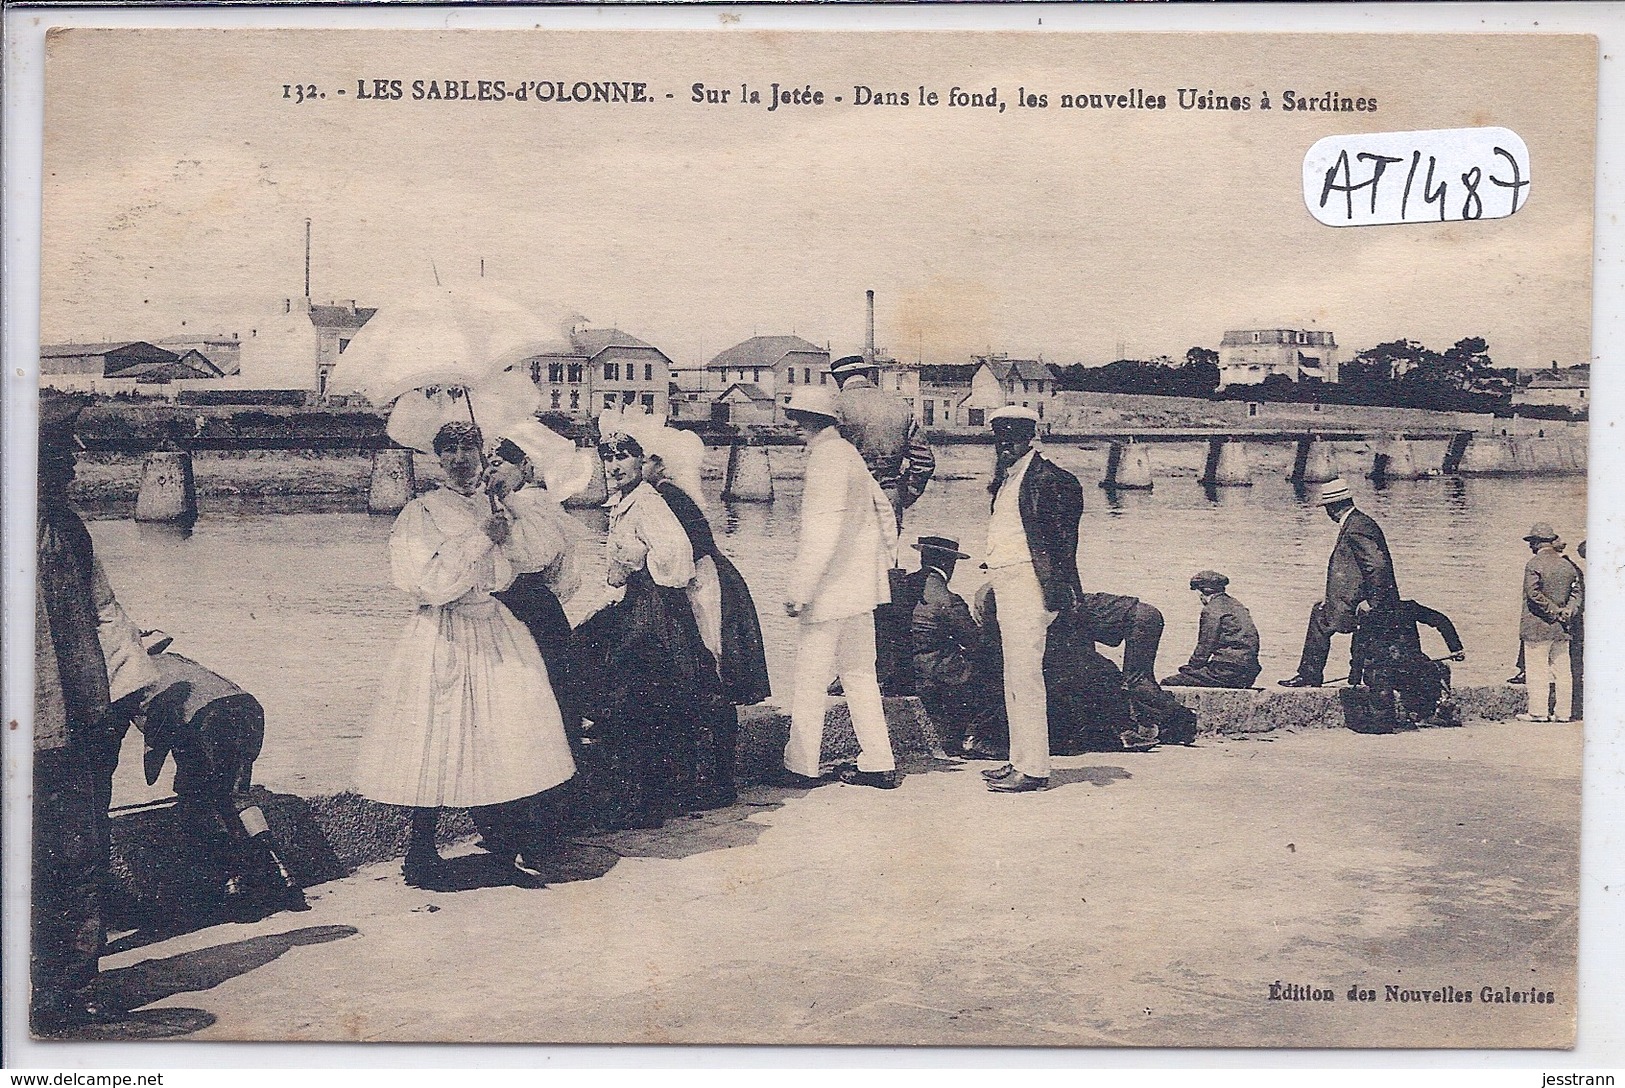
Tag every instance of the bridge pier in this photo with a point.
(168, 492)
(750, 474)
(1394, 460)
(1316, 461)
(394, 481)
(1128, 466)
(1227, 464)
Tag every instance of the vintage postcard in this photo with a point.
(896, 538)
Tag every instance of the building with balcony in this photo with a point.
(1250, 356)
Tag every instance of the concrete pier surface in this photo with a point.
(1145, 899)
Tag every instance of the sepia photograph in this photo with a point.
(890, 538)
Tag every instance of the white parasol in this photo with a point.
(444, 355)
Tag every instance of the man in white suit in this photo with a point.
(848, 546)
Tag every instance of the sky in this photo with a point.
(178, 180)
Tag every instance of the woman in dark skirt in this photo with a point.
(640, 669)
(722, 607)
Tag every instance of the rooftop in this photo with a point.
(762, 351)
(591, 342)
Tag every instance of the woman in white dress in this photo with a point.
(466, 716)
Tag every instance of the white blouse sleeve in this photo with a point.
(669, 555)
(543, 537)
(437, 568)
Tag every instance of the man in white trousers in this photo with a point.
(848, 544)
(1032, 563)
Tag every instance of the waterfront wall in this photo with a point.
(1084, 412)
(322, 838)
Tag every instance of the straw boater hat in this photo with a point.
(850, 364)
(811, 401)
(1013, 412)
(939, 544)
(1541, 532)
(1334, 490)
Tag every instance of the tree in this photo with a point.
(1385, 363)
(1200, 374)
(1468, 362)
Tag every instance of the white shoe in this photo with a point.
(1562, 719)
(1532, 718)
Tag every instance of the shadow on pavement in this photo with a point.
(1093, 776)
(685, 836)
(149, 923)
(166, 1023)
(153, 980)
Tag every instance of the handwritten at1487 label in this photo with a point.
(1437, 176)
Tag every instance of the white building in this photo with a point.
(1249, 356)
(1570, 388)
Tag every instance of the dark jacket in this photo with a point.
(71, 690)
(1227, 636)
(1051, 504)
(1360, 569)
(946, 639)
(1106, 617)
(1399, 641)
(1552, 595)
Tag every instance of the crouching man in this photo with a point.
(214, 730)
(952, 677)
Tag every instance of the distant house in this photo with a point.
(626, 371)
(336, 325)
(80, 366)
(223, 352)
(1570, 388)
(999, 380)
(297, 347)
(201, 364)
(1249, 356)
(603, 368)
(745, 404)
(942, 389)
(774, 364)
(162, 371)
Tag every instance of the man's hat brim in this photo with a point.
(938, 549)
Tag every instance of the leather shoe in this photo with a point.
(880, 780)
(999, 772)
(1016, 782)
(1517, 678)
(787, 779)
(1299, 682)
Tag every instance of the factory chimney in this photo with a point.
(307, 259)
(869, 329)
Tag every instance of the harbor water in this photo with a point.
(292, 598)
